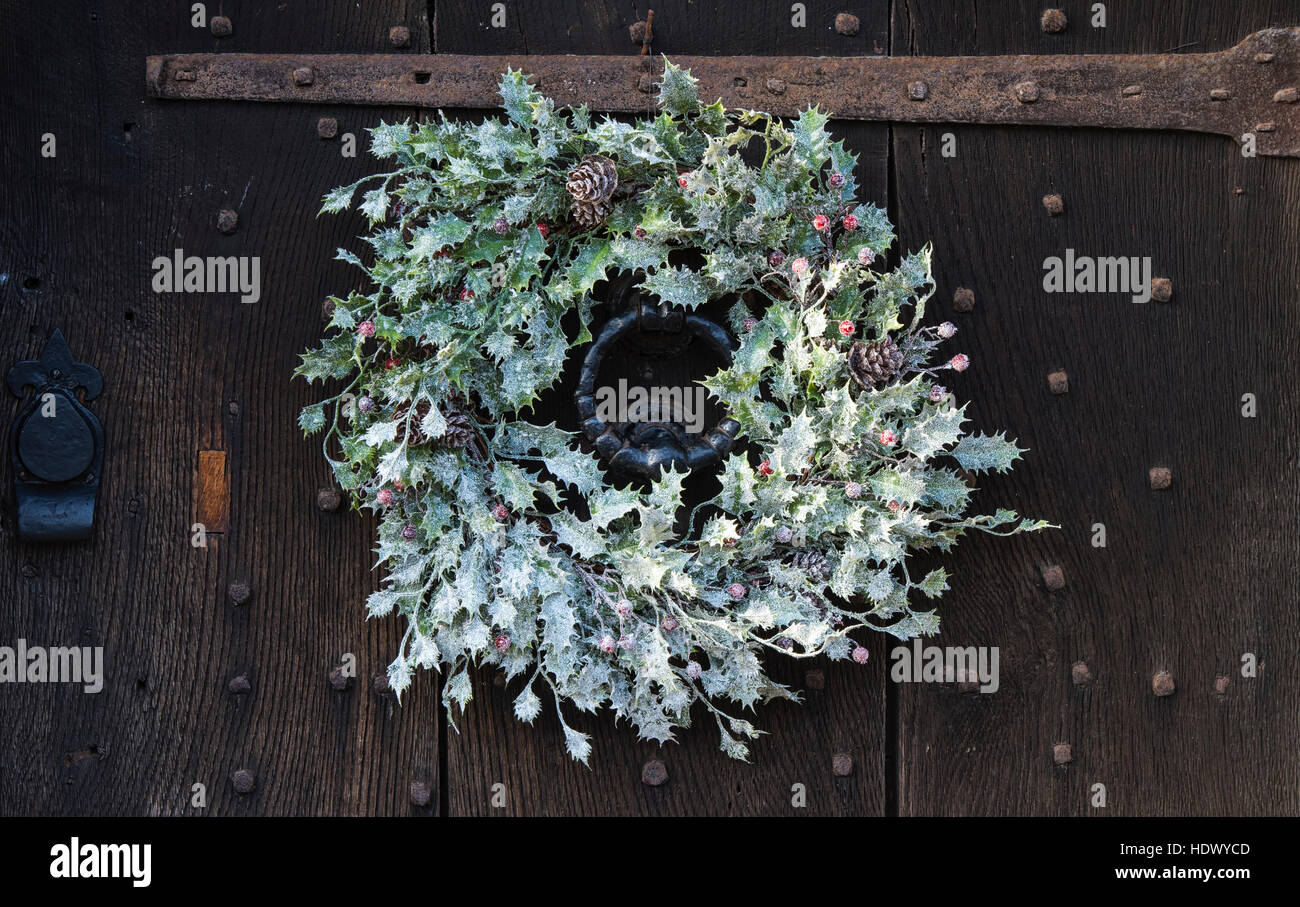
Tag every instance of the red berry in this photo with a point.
(776, 258)
(736, 591)
(865, 256)
(888, 438)
(729, 542)
(466, 294)
(748, 324)
(543, 229)
(693, 670)
(392, 363)
(623, 608)
(821, 222)
(894, 506)
(607, 644)
(639, 232)
(626, 641)
(500, 513)
(850, 222)
(846, 328)
(853, 490)
(938, 392)
(947, 330)
(860, 655)
(681, 180)
(365, 404)
(765, 468)
(502, 642)
(384, 497)
(501, 226)
(959, 363)
(837, 180)
(799, 266)
(366, 329)
(669, 624)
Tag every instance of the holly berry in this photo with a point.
(392, 362)
(888, 438)
(860, 655)
(837, 180)
(399, 485)
(853, 490)
(669, 624)
(442, 253)
(729, 542)
(639, 231)
(681, 180)
(765, 468)
(693, 670)
(502, 642)
(501, 225)
(384, 497)
(748, 324)
(799, 266)
(865, 256)
(959, 363)
(947, 329)
(850, 222)
(466, 294)
(365, 404)
(938, 392)
(846, 328)
(366, 329)
(607, 644)
(623, 608)
(776, 258)
(894, 506)
(736, 591)
(409, 532)
(500, 513)
(626, 641)
(543, 228)
(784, 534)
(821, 223)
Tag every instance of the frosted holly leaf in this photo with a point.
(902, 485)
(981, 452)
(458, 689)
(728, 270)
(935, 583)
(811, 142)
(312, 418)
(794, 445)
(719, 531)
(581, 471)
(935, 429)
(517, 97)
(677, 286)
(677, 92)
(339, 199)
(609, 504)
(946, 489)
(386, 139)
(738, 480)
(586, 269)
(514, 485)
(380, 603)
(926, 623)
(578, 745)
(638, 254)
(523, 437)
(527, 705)
(525, 260)
(399, 676)
(374, 205)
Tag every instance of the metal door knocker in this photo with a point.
(56, 446)
(658, 437)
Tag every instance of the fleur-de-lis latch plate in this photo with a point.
(56, 446)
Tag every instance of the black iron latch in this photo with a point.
(56, 446)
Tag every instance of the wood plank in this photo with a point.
(1192, 577)
(133, 180)
(847, 716)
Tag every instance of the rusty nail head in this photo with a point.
(340, 680)
(327, 127)
(1054, 204)
(636, 31)
(846, 24)
(646, 83)
(399, 36)
(1054, 578)
(221, 26)
(239, 593)
(328, 499)
(227, 220)
(421, 795)
(1053, 21)
(379, 684)
(244, 781)
(1221, 684)
(842, 765)
(1080, 674)
(1027, 92)
(303, 75)
(654, 773)
(918, 91)
(1058, 382)
(239, 684)
(1160, 477)
(184, 75)
(776, 86)
(1286, 96)
(963, 300)
(1062, 754)
(1131, 91)
(815, 679)
(1162, 289)
(1220, 94)
(1162, 684)
(1263, 58)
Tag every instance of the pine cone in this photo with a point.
(460, 429)
(813, 563)
(875, 364)
(592, 184)
(399, 416)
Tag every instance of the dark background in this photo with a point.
(1191, 579)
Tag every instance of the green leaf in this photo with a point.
(980, 452)
(677, 286)
(677, 92)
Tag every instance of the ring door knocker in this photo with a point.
(644, 448)
(56, 446)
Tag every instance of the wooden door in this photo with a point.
(199, 412)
